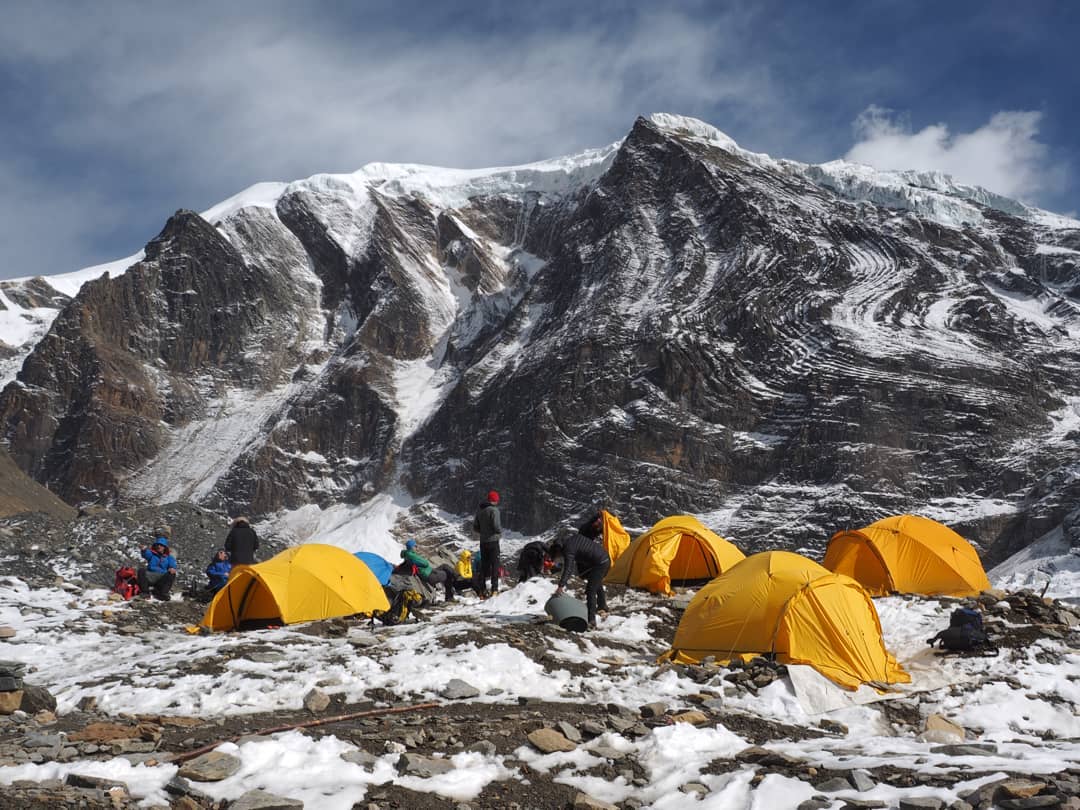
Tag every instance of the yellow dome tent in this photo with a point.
(908, 554)
(677, 549)
(782, 603)
(301, 584)
(616, 538)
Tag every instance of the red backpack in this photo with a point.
(127, 582)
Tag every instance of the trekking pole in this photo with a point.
(309, 724)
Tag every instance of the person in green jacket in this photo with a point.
(443, 575)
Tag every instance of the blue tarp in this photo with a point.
(379, 567)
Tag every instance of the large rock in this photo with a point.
(37, 699)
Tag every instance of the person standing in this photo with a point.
(241, 544)
(489, 526)
(593, 564)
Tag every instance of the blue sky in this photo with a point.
(116, 113)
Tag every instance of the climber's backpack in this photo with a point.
(400, 607)
(964, 634)
(126, 582)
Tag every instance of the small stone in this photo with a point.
(1019, 788)
(657, 709)
(316, 701)
(584, 801)
(423, 767)
(87, 703)
(1030, 803)
(833, 784)
(966, 750)
(568, 731)
(211, 767)
(713, 704)
(922, 803)
(693, 717)
(937, 729)
(359, 757)
(695, 788)
(261, 800)
(862, 780)
(10, 701)
(458, 689)
(607, 752)
(485, 747)
(7, 632)
(814, 804)
(592, 728)
(548, 741)
(93, 782)
(361, 639)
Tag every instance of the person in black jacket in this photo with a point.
(242, 543)
(592, 563)
(488, 525)
(531, 560)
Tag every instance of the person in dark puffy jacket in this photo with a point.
(242, 543)
(158, 575)
(218, 570)
(592, 563)
(531, 560)
(488, 525)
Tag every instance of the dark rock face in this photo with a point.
(693, 330)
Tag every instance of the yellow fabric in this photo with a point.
(677, 548)
(464, 568)
(908, 554)
(616, 538)
(301, 584)
(783, 603)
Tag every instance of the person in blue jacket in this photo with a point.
(218, 570)
(159, 573)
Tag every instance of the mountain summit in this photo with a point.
(668, 324)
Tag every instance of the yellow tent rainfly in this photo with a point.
(301, 584)
(908, 554)
(782, 603)
(616, 539)
(677, 549)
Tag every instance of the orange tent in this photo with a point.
(783, 604)
(677, 549)
(615, 537)
(908, 554)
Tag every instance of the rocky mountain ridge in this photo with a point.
(668, 324)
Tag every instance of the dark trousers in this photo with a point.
(156, 583)
(595, 598)
(443, 575)
(489, 565)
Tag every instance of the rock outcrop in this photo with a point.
(671, 324)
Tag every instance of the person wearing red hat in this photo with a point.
(488, 525)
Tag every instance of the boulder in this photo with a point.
(316, 701)
(584, 801)
(939, 730)
(693, 717)
(10, 701)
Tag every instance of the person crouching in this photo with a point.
(158, 575)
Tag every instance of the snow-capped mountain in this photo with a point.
(671, 323)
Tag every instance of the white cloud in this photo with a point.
(195, 109)
(1004, 155)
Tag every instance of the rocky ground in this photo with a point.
(421, 731)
